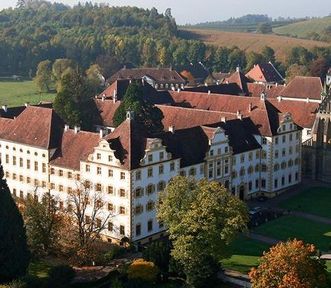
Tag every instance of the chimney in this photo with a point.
(101, 133)
(76, 129)
(26, 104)
(238, 69)
(223, 119)
(238, 113)
(172, 129)
(209, 92)
(263, 96)
(206, 84)
(5, 108)
(250, 107)
(279, 98)
(114, 96)
(66, 127)
(178, 90)
(307, 100)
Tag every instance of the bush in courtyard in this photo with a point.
(60, 276)
(115, 252)
(143, 270)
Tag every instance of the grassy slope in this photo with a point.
(302, 29)
(16, 93)
(315, 201)
(252, 41)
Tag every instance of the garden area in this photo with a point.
(17, 93)
(314, 201)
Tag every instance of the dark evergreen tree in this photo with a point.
(14, 253)
(145, 112)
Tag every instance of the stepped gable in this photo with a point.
(75, 147)
(160, 75)
(303, 88)
(182, 118)
(265, 72)
(35, 126)
(129, 141)
(303, 113)
(240, 79)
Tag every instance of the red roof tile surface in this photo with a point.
(265, 72)
(303, 88)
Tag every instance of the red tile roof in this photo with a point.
(35, 126)
(303, 88)
(182, 118)
(303, 113)
(265, 72)
(240, 79)
(75, 147)
(256, 89)
(107, 109)
(160, 75)
(129, 142)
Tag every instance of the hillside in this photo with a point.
(252, 41)
(305, 29)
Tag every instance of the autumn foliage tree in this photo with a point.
(293, 264)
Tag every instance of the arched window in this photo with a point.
(257, 167)
(283, 165)
(250, 170)
(290, 163)
(264, 167)
(139, 209)
(276, 167)
(150, 189)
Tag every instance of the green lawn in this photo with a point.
(294, 227)
(328, 265)
(17, 93)
(246, 253)
(315, 201)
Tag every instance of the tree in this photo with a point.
(291, 264)
(296, 70)
(14, 253)
(268, 54)
(89, 218)
(43, 77)
(264, 28)
(58, 68)
(145, 112)
(43, 224)
(158, 252)
(253, 58)
(95, 77)
(202, 219)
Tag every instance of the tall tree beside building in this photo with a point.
(292, 264)
(43, 79)
(145, 112)
(43, 223)
(14, 253)
(202, 219)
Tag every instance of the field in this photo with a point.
(315, 201)
(251, 41)
(304, 28)
(16, 93)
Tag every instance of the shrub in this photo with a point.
(143, 270)
(60, 276)
(15, 284)
(114, 253)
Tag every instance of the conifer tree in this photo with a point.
(14, 253)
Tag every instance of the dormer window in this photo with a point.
(110, 158)
(161, 155)
(150, 158)
(211, 153)
(98, 156)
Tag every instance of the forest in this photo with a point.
(112, 37)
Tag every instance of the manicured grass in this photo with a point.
(17, 93)
(294, 227)
(314, 201)
(328, 266)
(246, 253)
